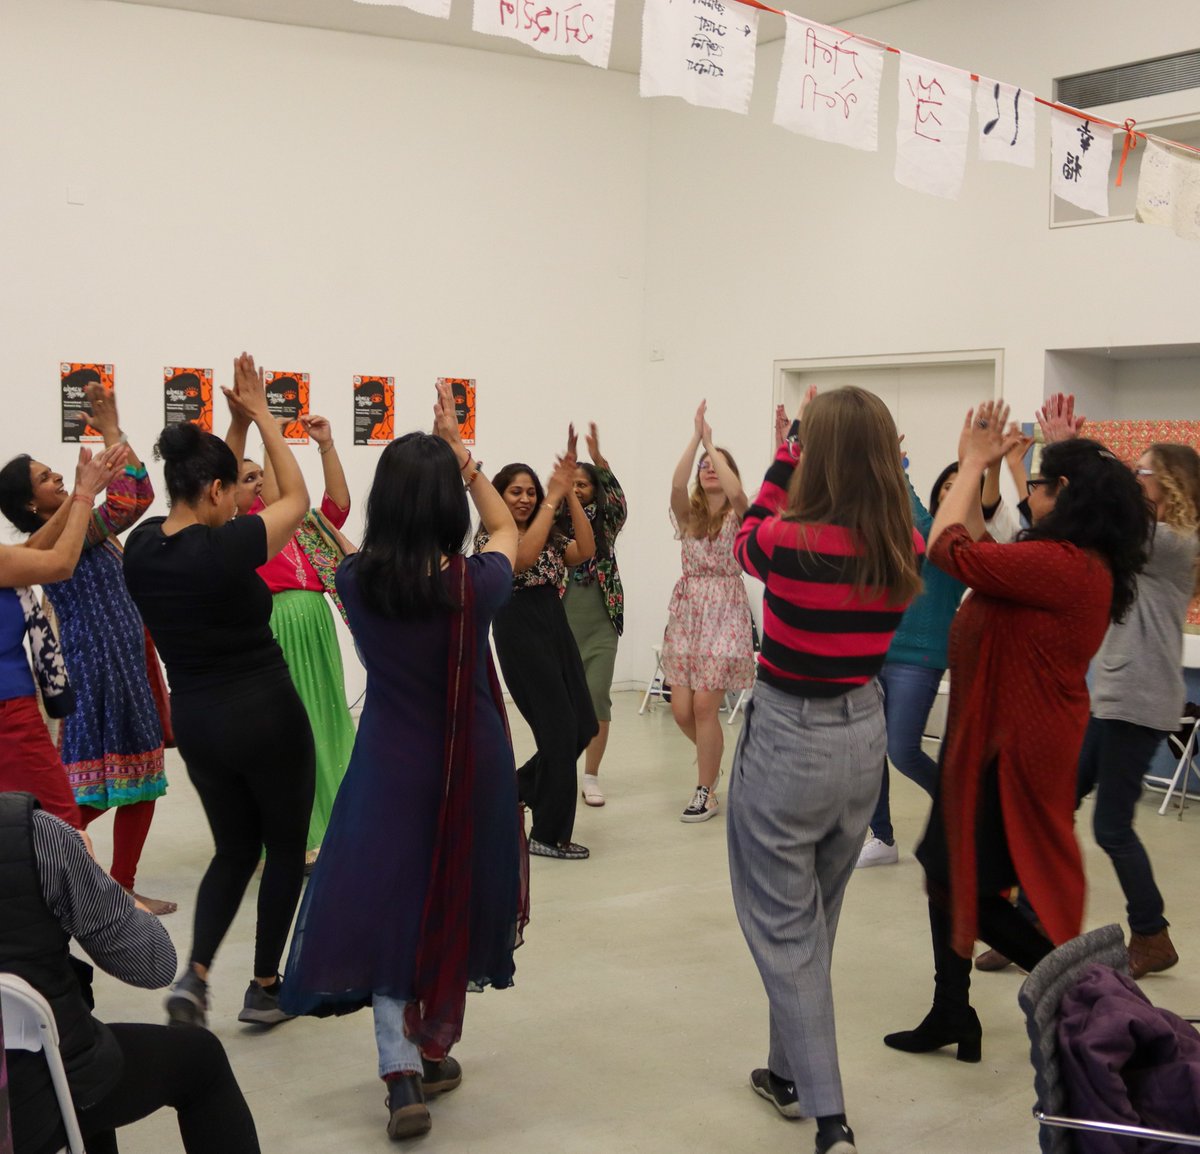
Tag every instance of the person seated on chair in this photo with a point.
(52, 891)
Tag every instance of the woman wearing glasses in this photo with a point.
(1137, 692)
(1019, 653)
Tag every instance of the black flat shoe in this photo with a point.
(440, 1077)
(940, 1029)
(408, 1116)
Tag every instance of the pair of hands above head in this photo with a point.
(987, 436)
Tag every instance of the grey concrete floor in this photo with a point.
(637, 1013)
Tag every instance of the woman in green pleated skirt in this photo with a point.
(303, 625)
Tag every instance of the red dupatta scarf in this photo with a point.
(434, 1018)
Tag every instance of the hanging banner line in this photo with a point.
(1127, 127)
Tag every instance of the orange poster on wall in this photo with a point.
(464, 405)
(287, 398)
(374, 410)
(74, 379)
(188, 396)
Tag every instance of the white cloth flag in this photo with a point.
(934, 122)
(580, 28)
(829, 85)
(1080, 155)
(1169, 189)
(439, 8)
(700, 50)
(1006, 120)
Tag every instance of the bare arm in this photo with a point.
(46, 536)
(537, 530)
(281, 518)
(21, 565)
(681, 504)
(584, 545)
(336, 487)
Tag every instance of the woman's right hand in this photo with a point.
(93, 474)
(699, 422)
(445, 423)
(982, 441)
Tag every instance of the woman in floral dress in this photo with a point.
(112, 744)
(709, 643)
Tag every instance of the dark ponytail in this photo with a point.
(192, 460)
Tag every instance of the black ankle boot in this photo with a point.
(942, 1028)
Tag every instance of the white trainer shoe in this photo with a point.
(875, 852)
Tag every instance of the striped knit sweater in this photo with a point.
(820, 638)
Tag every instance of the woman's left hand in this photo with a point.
(982, 441)
(445, 423)
(782, 424)
(319, 429)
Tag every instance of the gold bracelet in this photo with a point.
(327, 449)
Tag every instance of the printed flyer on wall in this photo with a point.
(75, 377)
(374, 410)
(287, 398)
(188, 396)
(464, 405)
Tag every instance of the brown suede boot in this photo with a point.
(1151, 953)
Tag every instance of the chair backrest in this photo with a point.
(1039, 998)
(29, 1025)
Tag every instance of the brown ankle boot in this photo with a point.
(1151, 953)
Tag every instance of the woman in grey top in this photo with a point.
(1138, 693)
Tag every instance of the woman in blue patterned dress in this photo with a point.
(112, 745)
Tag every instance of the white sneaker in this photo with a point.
(876, 852)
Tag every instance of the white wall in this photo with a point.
(333, 203)
(765, 245)
(344, 204)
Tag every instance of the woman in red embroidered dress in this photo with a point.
(1019, 652)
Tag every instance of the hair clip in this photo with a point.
(1107, 454)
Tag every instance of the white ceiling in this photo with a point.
(348, 16)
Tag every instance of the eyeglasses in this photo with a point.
(1032, 484)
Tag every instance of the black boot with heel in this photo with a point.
(940, 1028)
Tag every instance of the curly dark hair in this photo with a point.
(1100, 507)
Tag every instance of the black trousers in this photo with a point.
(178, 1066)
(249, 752)
(544, 673)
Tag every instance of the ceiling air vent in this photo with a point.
(1130, 81)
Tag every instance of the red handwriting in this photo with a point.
(925, 111)
(570, 24)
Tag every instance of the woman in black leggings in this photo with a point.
(239, 723)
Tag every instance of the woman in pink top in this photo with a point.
(299, 576)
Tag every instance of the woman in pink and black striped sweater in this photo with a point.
(831, 536)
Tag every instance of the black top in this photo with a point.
(207, 609)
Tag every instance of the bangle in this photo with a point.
(323, 449)
(83, 500)
(469, 481)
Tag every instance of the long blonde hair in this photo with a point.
(850, 475)
(703, 521)
(1177, 471)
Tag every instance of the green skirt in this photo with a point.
(303, 626)
(596, 637)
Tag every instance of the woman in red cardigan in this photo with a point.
(1019, 652)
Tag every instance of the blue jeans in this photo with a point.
(397, 1053)
(909, 692)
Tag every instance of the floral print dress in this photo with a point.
(709, 642)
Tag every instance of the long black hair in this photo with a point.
(935, 494)
(1101, 507)
(192, 460)
(16, 494)
(416, 515)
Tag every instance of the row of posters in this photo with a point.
(188, 396)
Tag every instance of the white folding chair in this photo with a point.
(29, 1025)
(654, 687)
(1187, 740)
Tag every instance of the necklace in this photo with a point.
(293, 554)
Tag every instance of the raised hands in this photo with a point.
(445, 422)
(103, 404)
(1058, 420)
(93, 473)
(982, 441)
(562, 479)
(319, 429)
(1018, 443)
(782, 424)
(247, 399)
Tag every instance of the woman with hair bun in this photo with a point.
(1019, 653)
(112, 744)
(241, 727)
(1138, 691)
